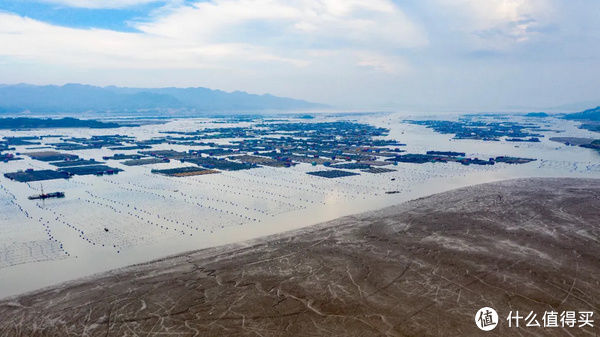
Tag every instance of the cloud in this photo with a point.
(392, 65)
(224, 34)
(487, 14)
(100, 3)
(32, 40)
(460, 52)
(498, 24)
(374, 22)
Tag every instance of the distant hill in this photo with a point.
(589, 115)
(40, 123)
(537, 114)
(80, 98)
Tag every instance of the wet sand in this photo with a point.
(422, 268)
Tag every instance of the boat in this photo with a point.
(47, 195)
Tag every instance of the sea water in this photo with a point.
(111, 221)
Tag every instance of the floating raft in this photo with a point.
(51, 156)
(145, 161)
(184, 172)
(378, 170)
(78, 162)
(92, 169)
(352, 166)
(31, 175)
(332, 173)
(220, 164)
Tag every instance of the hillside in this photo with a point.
(80, 98)
(41, 123)
(589, 115)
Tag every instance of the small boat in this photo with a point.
(47, 195)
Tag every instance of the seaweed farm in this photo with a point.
(135, 193)
(472, 127)
(36, 175)
(185, 171)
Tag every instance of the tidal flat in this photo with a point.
(421, 268)
(133, 194)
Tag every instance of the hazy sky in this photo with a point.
(427, 54)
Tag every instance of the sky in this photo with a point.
(425, 55)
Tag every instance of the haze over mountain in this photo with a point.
(80, 98)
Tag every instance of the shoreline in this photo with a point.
(265, 232)
(352, 195)
(499, 244)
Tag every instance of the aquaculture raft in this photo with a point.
(31, 175)
(332, 173)
(184, 171)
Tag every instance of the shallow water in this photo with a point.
(150, 216)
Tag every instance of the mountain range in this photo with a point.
(589, 115)
(87, 98)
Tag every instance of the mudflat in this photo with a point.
(422, 268)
